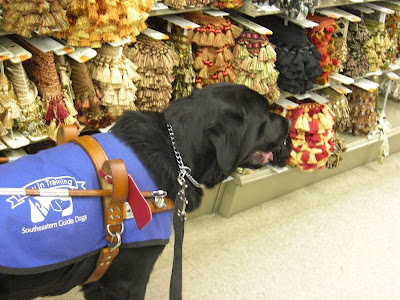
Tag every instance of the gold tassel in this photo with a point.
(219, 41)
(306, 125)
(105, 75)
(92, 12)
(116, 77)
(228, 56)
(312, 159)
(220, 59)
(204, 72)
(198, 63)
(210, 38)
(70, 106)
(3, 130)
(122, 95)
(52, 130)
(8, 120)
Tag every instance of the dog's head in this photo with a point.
(224, 126)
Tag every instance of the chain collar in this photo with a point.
(184, 171)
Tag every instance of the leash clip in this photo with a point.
(182, 194)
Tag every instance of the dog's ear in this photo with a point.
(226, 136)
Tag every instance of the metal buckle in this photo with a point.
(159, 200)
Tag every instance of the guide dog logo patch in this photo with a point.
(42, 206)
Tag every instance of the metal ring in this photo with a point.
(118, 243)
(122, 228)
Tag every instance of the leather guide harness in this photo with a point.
(114, 211)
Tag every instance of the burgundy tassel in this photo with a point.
(61, 111)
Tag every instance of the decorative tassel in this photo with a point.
(228, 56)
(220, 58)
(61, 112)
(106, 74)
(8, 120)
(219, 41)
(116, 77)
(210, 37)
(70, 106)
(204, 72)
(50, 112)
(52, 130)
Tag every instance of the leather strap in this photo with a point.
(66, 133)
(113, 207)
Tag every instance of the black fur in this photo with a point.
(216, 130)
(281, 154)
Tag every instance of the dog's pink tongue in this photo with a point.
(140, 208)
(264, 157)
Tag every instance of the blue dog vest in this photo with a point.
(43, 233)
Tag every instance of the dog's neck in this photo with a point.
(184, 171)
(147, 134)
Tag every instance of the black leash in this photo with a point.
(175, 288)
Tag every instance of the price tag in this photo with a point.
(318, 98)
(392, 76)
(363, 9)
(379, 8)
(302, 23)
(154, 34)
(341, 89)
(216, 13)
(346, 15)
(181, 22)
(329, 13)
(376, 73)
(341, 78)
(120, 43)
(65, 50)
(19, 54)
(45, 43)
(82, 55)
(5, 54)
(268, 8)
(286, 103)
(366, 84)
(251, 25)
(302, 96)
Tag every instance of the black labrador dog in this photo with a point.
(216, 129)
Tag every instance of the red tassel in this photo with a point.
(330, 29)
(314, 128)
(321, 156)
(50, 112)
(305, 157)
(61, 111)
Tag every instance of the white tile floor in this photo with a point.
(336, 239)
